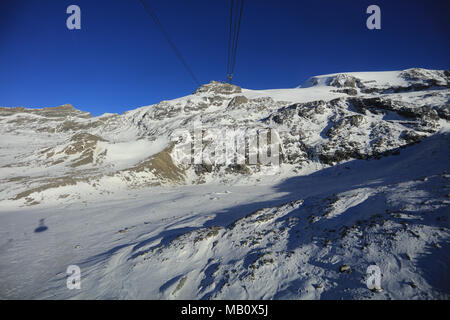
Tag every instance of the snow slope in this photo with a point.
(364, 180)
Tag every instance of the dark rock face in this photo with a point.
(435, 78)
(349, 130)
(203, 168)
(374, 105)
(383, 105)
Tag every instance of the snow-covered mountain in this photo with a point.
(362, 178)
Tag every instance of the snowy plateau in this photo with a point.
(363, 180)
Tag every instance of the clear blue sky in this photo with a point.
(119, 60)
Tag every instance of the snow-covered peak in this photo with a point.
(384, 80)
(66, 110)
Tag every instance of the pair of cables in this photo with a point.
(233, 38)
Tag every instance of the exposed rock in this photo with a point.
(349, 91)
(162, 166)
(320, 132)
(237, 168)
(412, 137)
(343, 80)
(237, 101)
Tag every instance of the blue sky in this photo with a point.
(119, 60)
